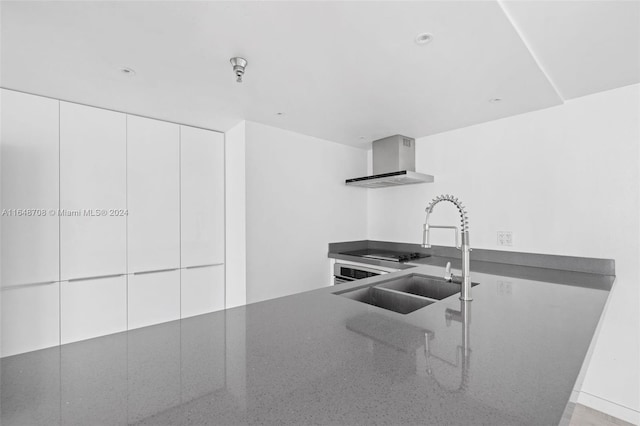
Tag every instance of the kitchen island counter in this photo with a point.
(512, 358)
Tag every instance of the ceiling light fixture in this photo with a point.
(239, 65)
(424, 38)
(130, 72)
(279, 113)
(495, 100)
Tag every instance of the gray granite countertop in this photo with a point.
(320, 358)
(581, 279)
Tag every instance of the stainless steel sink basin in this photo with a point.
(388, 299)
(405, 294)
(423, 285)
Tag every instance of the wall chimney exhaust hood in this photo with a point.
(394, 163)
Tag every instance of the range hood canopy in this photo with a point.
(404, 177)
(394, 163)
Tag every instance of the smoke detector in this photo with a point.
(238, 67)
(130, 72)
(424, 38)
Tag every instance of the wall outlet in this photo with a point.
(505, 238)
(504, 288)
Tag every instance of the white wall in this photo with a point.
(297, 203)
(564, 180)
(235, 217)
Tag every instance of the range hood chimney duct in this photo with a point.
(394, 163)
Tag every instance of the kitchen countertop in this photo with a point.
(581, 279)
(320, 358)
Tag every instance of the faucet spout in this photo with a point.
(425, 234)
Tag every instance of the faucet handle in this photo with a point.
(447, 272)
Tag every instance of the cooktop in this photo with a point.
(388, 255)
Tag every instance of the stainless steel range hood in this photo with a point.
(404, 177)
(394, 163)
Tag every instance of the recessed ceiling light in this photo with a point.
(361, 137)
(424, 38)
(128, 71)
(279, 113)
(495, 100)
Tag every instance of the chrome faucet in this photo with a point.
(465, 279)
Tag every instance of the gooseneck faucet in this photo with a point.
(465, 280)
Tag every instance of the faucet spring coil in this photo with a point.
(464, 219)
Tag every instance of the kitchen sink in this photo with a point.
(405, 294)
(423, 285)
(402, 303)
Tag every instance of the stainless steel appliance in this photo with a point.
(388, 255)
(394, 163)
(347, 272)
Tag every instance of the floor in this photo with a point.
(585, 416)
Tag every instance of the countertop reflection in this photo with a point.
(511, 356)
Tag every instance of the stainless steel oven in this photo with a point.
(347, 272)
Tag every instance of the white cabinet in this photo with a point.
(153, 298)
(202, 290)
(153, 180)
(29, 181)
(30, 318)
(202, 196)
(92, 307)
(118, 204)
(92, 191)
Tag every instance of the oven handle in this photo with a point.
(341, 280)
(337, 266)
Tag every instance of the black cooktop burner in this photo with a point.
(389, 255)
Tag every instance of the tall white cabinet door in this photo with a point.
(30, 318)
(202, 183)
(153, 298)
(92, 181)
(202, 290)
(153, 165)
(92, 308)
(29, 181)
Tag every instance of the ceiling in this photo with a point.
(584, 46)
(349, 72)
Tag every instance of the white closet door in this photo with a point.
(29, 181)
(153, 298)
(153, 167)
(92, 181)
(202, 290)
(30, 318)
(92, 308)
(202, 196)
